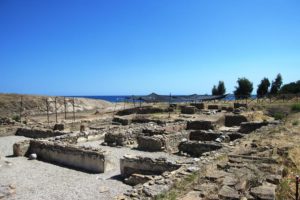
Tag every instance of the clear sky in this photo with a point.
(125, 47)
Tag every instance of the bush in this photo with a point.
(16, 118)
(295, 123)
(279, 115)
(296, 107)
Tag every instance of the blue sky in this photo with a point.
(127, 47)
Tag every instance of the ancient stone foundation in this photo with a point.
(199, 106)
(195, 148)
(166, 142)
(38, 133)
(121, 120)
(147, 166)
(204, 135)
(213, 107)
(21, 148)
(234, 120)
(188, 110)
(85, 159)
(247, 127)
(200, 125)
(119, 138)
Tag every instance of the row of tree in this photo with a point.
(245, 87)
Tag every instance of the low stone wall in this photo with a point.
(204, 135)
(227, 108)
(21, 148)
(86, 159)
(234, 120)
(199, 106)
(201, 125)
(167, 142)
(195, 148)
(248, 127)
(239, 105)
(188, 110)
(213, 107)
(141, 110)
(143, 165)
(122, 121)
(74, 138)
(151, 143)
(119, 138)
(38, 133)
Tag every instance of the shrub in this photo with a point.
(279, 115)
(16, 118)
(296, 107)
(295, 123)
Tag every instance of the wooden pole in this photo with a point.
(170, 106)
(55, 109)
(74, 109)
(297, 187)
(65, 104)
(21, 109)
(47, 106)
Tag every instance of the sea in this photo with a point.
(122, 98)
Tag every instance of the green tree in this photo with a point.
(276, 85)
(262, 89)
(214, 90)
(291, 88)
(221, 88)
(244, 88)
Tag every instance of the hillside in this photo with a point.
(10, 104)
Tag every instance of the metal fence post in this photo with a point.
(297, 187)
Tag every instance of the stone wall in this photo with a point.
(120, 138)
(201, 125)
(167, 142)
(188, 109)
(21, 148)
(204, 135)
(195, 148)
(234, 120)
(141, 110)
(74, 138)
(38, 133)
(213, 107)
(199, 106)
(239, 105)
(86, 159)
(143, 165)
(247, 127)
(121, 120)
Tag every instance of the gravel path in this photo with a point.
(37, 180)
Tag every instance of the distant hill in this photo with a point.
(10, 104)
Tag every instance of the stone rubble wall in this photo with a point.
(78, 137)
(204, 135)
(201, 125)
(38, 133)
(168, 142)
(199, 106)
(86, 159)
(195, 148)
(143, 165)
(188, 110)
(21, 148)
(248, 127)
(213, 107)
(234, 120)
